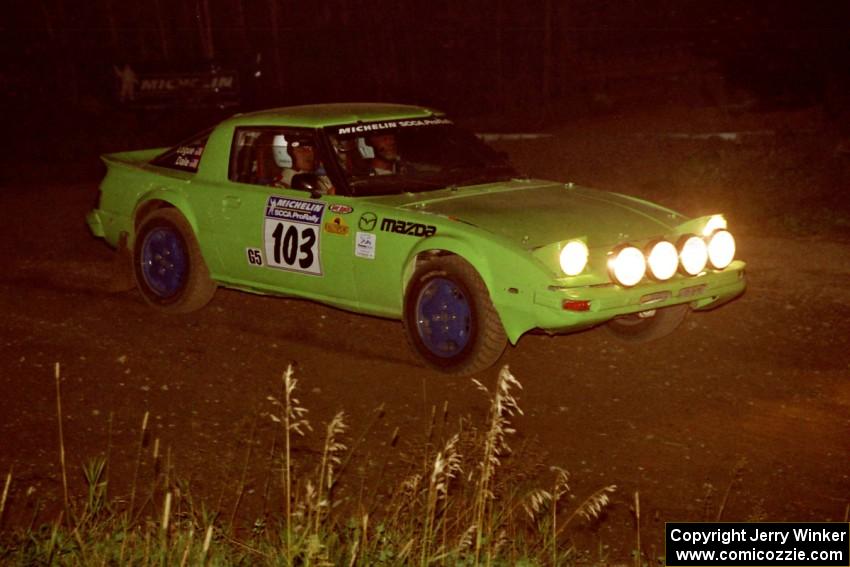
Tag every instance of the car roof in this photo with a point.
(320, 115)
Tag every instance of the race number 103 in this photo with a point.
(292, 246)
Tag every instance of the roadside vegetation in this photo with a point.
(459, 506)
(771, 174)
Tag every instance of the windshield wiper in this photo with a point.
(393, 180)
(490, 173)
(389, 184)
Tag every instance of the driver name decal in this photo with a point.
(291, 232)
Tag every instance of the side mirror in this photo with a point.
(307, 182)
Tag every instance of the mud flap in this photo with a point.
(121, 277)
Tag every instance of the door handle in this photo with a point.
(230, 202)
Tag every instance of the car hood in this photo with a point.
(534, 213)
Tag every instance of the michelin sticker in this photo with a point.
(291, 232)
(362, 128)
(365, 245)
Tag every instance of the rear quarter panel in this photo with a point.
(132, 185)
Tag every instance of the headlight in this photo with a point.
(721, 249)
(574, 257)
(627, 266)
(693, 254)
(663, 260)
(716, 222)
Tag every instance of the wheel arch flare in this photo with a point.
(161, 198)
(509, 280)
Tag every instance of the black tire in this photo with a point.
(168, 266)
(477, 337)
(637, 329)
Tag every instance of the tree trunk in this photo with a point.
(278, 66)
(60, 49)
(501, 102)
(242, 25)
(114, 37)
(205, 29)
(163, 35)
(547, 56)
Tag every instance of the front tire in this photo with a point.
(449, 318)
(168, 266)
(642, 328)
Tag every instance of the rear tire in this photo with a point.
(449, 318)
(637, 329)
(167, 264)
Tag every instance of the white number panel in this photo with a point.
(291, 232)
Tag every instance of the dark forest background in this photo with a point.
(523, 61)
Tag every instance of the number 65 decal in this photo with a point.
(255, 256)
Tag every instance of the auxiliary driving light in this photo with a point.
(716, 222)
(663, 259)
(574, 257)
(693, 254)
(721, 249)
(627, 266)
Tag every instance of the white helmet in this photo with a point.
(281, 156)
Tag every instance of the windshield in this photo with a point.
(403, 156)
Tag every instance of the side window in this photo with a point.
(185, 156)
(260, 156)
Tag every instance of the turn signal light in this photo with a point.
(576, 305)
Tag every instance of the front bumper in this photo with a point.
(605, 302)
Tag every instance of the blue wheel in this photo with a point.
(449, 317)
(169, 268)
(164, 262)
(443, 317)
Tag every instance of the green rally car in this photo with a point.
(394, 211)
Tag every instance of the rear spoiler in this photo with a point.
(135, 158)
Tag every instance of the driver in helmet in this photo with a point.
(387, 158)
(296, 155)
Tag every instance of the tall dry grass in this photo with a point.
(457, 506)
